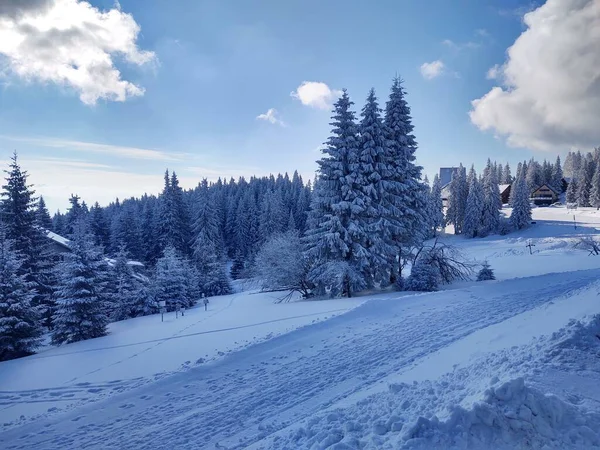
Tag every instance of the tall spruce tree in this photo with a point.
(124, 292)
(557, 176)
(572, 190)
(407, 193)
(436, 205)
(334, 235)
(584, 181)
(207, 245)
(474, 209)
(492, 202)
(19, 215)
(378, 197)
(595, 189)
(457, 201)
(20, 320)
(521, 214)
(81, 296)
(171, 283)
(42, 216)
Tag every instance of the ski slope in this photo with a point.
(399, 370)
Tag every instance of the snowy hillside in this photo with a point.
(511, 363)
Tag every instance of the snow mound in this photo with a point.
(511, 416)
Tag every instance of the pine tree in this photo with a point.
(99, 226)
(124, 290)
(207, 246)
(75, 214)
(595, 189)
(423, 277)
(436, 206)
(572, 190)
(377, 198)
(19, 213)
(173, 224)
(42, 216)
(506, 175)
(81, 291)
(474, 209)
(20, 324)
(521, 214)
(457, 201)
(557, 176)
(584, 182)
(492, 202)
(170, 282)
(334, 236)
(486, 273)
(407, 193)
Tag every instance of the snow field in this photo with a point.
(142, 350)
(459, 368)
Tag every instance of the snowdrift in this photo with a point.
(511, 416)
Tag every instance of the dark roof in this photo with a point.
(548, 186)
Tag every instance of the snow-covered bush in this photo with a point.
(486, 273)
(280, 264)
(440, 262)
(339, 278)
(504, 227)
(423, 277)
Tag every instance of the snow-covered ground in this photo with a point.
(467, 367)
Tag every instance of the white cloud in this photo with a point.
(71, 43)
(112, 150)
(550, 98)
(316, 94)
(271, 116)
(432, 70)
(493, 72)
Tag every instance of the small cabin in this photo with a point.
(504, 192)
(544, 195)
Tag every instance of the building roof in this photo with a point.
(62, 241)
(503, 187)
(547, 186)
(446, 174)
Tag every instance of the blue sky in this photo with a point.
(216, 66)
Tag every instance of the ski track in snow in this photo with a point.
(244, 398)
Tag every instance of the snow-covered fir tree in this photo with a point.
(474, 209)
(423, 277)
(486, 273)
(81, 294)
(436, 206)
(335, 239)
(171, 284)
(584, 182)
(207, 245)
(520, 216)
(572, 191)
(125, 296)
(20, 320)
(377, 199)
(457, 201)
(492, 202)
(42, 216)
(25, 219)
(173, 220)
(507, 175)
(595, 189)
(556, 180)
(410, 194)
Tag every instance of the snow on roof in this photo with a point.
(503, 187)
(58, 238)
